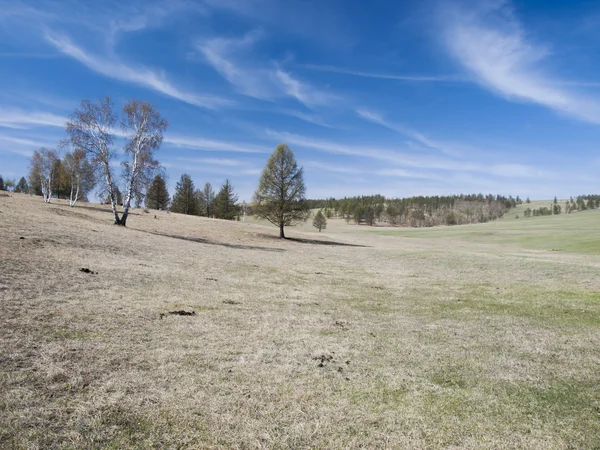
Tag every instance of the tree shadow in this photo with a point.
(314, 241)
(105, 210)
(208, 242)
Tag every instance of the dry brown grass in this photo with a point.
(385, 342)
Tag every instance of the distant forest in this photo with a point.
(417, 211)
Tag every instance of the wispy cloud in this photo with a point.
(322, 22)
(225, 56)
(331, 167)
(197, 143)
(310, 118)
(493, 46)
(263, 80)
(301, 91)
(385, 76)
(401, 161)
(138, 75)
(214, 161)
(12, 118)
(22, 146)
(407, 131)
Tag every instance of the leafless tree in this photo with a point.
(143, 127)
(43, 163)
(90, 129)
(80, 174)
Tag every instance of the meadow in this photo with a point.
(474, 336)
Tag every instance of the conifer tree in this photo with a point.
(185, 200)
(320, 221)
(22, 185)
(157, 196)
(225, 203)
(1, 184)
(280, 194)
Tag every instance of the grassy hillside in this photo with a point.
(476, 336)
(577, 232)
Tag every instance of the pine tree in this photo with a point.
(225, 203)
(22, 185)
(185, 200)
(157, 196)
(280, 194)
(320, 221)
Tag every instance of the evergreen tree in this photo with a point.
(1, 184)
(185, 200)
(280, 194)
(225, 203)
(209, 198)
(22, 185)
(157, 196)
(320, 221)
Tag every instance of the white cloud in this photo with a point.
(406, 131)
(301, 91)
(385, 76)
(493, 46)
(310, 118)
(214, 161)
(13, 118)
(197, 143)
(403, 160)
(224, 56)
(233, 60)
(137, 75)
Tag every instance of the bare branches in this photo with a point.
(91, 130)
(43, 163)
(144, 128)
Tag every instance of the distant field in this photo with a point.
(478, 336)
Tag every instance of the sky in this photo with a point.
(399, 98)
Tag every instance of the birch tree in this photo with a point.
(208, 195)
(144, 128)
(80, 175)
(43, 163)
(90, 128)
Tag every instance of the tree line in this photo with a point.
(418, 211)
(579, 203)
(197, 202)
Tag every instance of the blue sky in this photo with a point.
(400, 98)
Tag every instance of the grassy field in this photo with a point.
(480, 336)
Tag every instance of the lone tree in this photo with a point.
(280, 194)
(225, 203)
(320, 221)
(157, 196)
(185, 200)
(90, 129)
